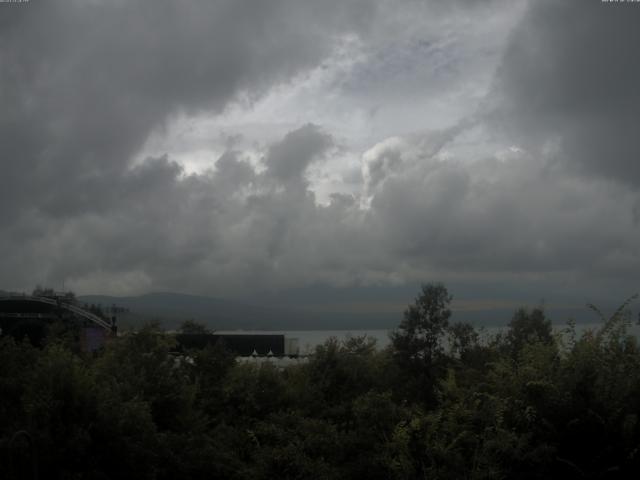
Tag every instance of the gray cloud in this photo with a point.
(235, 230)
(85, 83)
(288, 160)
(568, 83)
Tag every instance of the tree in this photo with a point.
(418, 337)
(463, 338)
(528, 327)
(418, 340)
(191, 327)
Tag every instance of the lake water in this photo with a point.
(309, 339)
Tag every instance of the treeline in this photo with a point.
(438, 403)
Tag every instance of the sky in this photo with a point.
(251, 149)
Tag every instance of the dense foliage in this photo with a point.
(440, 403)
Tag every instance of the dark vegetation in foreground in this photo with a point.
(438, 404)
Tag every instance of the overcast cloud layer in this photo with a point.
(225, 147)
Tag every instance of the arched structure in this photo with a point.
(57, 302)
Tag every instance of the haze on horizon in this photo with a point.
(240, 148)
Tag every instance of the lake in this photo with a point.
(309, 339)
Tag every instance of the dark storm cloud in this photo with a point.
(288, 160)
(500, 216)
(83, 83)
(495, 217)
(226, 231)
(569, 83)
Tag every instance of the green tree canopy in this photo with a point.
(418, 341)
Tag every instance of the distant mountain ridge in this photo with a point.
(173, 308)
(300, 309)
